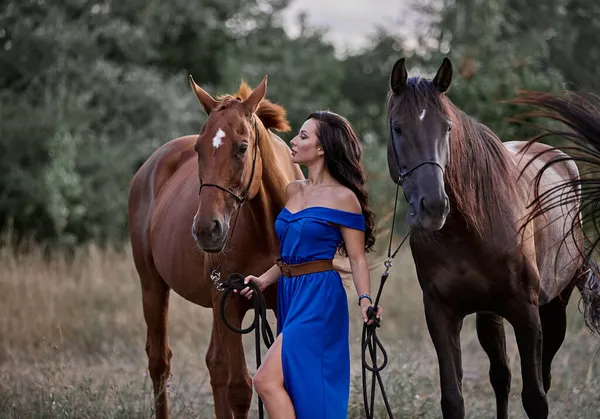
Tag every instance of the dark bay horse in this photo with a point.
(205, 203)
(474, 247)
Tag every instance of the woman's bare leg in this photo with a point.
(268, 382)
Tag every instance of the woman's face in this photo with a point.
(305, 146)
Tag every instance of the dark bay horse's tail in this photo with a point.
(589, 288)
(580, 112)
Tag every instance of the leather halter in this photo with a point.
(239, 198)
(403, 175)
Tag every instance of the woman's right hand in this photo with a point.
(249, 292)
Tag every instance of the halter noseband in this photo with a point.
(239, 198)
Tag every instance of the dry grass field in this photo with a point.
(72, 346)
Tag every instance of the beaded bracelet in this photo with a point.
(364, 296)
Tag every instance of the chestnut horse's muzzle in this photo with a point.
(210, 235)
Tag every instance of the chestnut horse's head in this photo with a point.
(229, 162)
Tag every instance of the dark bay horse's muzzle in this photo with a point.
(429, 204)
(432, 212)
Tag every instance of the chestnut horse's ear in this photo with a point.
(251, 104)
(398, 77)
(443, 78)
(206, 100)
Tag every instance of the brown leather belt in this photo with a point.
(304, 268)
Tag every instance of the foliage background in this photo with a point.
(90, 88)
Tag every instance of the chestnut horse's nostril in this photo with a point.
(217, 229)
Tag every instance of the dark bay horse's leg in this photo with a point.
(155, 299)
(444, 328)
(524, 316)
(490, 331)
(528, 333)
(229, 375)
(553, 316)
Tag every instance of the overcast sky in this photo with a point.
(349, 21)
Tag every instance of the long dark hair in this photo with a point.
(342, 159)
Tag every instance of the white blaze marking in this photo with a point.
(217, 139)
(422, 115)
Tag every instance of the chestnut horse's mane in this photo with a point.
(272, 116)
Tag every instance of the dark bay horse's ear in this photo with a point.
(206, 100)
(443, 78)
(398, 77)
(257, 95)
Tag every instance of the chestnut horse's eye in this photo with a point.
(241, 149)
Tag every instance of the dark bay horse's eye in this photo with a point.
(397, 130)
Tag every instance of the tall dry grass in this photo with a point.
(72, 346)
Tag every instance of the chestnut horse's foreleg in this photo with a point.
(232, 386)
(525, 319)
(444, 328)
(490, 331)
(155, 298)
(216, 362)
(553, 316)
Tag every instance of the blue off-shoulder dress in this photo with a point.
(312, 313)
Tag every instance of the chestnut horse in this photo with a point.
(473, 245)
(207, 203)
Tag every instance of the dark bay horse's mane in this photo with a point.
(480, 173)
(272, 116)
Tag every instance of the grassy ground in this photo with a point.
(72, 346)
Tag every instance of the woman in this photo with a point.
(306, 372)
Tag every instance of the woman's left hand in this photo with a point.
(364, 307)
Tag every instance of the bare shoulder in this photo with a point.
(294, 188)
(346, 200)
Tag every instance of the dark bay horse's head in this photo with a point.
(229, 163)
(418, 147)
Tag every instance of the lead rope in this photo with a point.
(370, 340)
(260, 325)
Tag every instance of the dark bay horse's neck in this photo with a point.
(455, 229)
(481, 179)
(497, 225)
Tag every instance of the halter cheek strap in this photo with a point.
(403, 175)
(240, 198)
(215, 273)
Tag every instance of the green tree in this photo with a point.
(493, 59)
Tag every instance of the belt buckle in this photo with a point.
(284, 267)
